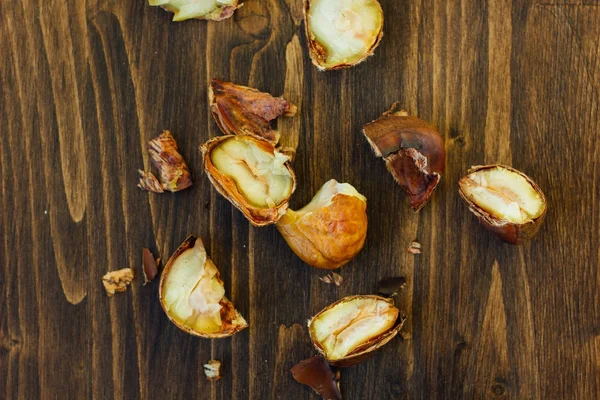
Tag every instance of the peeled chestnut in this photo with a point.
(506, 201)
(342, 33)
(330, 230)
(215, 10)
(193, 295)
(413, 151)
(251, 174)
(240, 110)
(351, 329)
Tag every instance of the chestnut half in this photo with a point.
(351, 329)
(193, 295)
(342, 33)
(254, 176)
(215, 10)
(413, 151)
(506, 201)
(330, 230)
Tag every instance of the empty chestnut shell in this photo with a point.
(330, 230)
(342, 33)
(505, 200)
(251, 174)
(214, 10)
(192, 294)
(240, 110)
(413, 151)
(351, 329)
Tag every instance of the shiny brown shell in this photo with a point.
(228, 188)
(233, 321)
(367, 349)
(509, 232)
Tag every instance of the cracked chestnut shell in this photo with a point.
(214, 10)
(249, 172)
(342, 33)
(192, 294)
(330, 230)
(413, 151)
(351, 329)
(506, 201)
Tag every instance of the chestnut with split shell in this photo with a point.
(330, 230)
(254, 176)
(351, 329)
(413, 151)
(192, 294)
(505, 200)
(215, 10)
(342, 33)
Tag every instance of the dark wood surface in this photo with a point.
(85, 84)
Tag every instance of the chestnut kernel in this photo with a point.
(330, 230)
(192, 294)
(342, 33)
(413, 151)
(215, 10)
(351, 329)
(506, 201)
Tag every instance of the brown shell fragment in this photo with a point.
(391, 286)
(173, 171)
(351, 329)
(149, 266)
(192, 294)
(316, 373)
(332, 278)
(270, 170)
(413, 151)
(240, 110)
(513, 196)
(198, 9)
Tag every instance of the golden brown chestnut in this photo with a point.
(251, 174)
(506, 201)
(351, 329)
(193, 295)
(240, 110)
(215, 10)
(342, 33)
(413, 151)
(330, 230)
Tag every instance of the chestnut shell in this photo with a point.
(413, 151)
(235, 321)
(228, 188)
(366, 350)
(509, 232)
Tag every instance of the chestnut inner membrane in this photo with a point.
(193, 292)
(503, 194)
(348, 325)
(347, 29)
(261, 177)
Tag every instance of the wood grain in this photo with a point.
(84, 85)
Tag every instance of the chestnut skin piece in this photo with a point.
(330, 230)
(413, 151)
(316, 373)
(350, 308)
(511, 232)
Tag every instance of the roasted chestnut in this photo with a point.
(240, 110)
(215, 10)
(251, 174)
(330, 230)
(351, 329)
(193, 295)
(342, 33)
(413, 151)
(506, 201)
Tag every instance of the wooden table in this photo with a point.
(85, 84)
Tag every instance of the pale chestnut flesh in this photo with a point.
(503, 194)
(331, 229)
(261, 177)
(202, 9)
(348, 325)
(345, 31)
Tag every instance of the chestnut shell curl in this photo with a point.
(413, 151)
